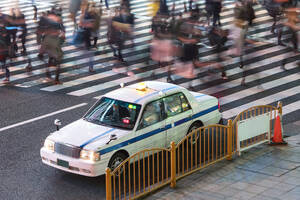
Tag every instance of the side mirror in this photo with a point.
(57, 123)
(113, 137)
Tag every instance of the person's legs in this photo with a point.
(95, 41)
(106, 4)
(120, 48)
(48, 74)
(274, 24)
(23, 40)
(7, 72)
(34, 12)
(57, 72)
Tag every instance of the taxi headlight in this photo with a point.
(89, 155)
(49, 144)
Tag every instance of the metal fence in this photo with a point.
(139, 174)
(203, 147)
(151, 169)
(259, 121)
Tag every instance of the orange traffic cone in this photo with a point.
(277, 138)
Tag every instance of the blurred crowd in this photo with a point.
(179, 32)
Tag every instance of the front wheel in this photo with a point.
(116, 160)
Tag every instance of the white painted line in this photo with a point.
(263, 101)
(266, 86)
(42, 117)
(286, 109)
(252, 77)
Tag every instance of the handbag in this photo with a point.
(78, 37)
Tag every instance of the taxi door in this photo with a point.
(151, 130)
(179, 114)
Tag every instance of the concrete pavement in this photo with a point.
(261, 173)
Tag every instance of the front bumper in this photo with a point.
(76, 166)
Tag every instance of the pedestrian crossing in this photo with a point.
(266, 82)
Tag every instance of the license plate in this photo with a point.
(62, 163)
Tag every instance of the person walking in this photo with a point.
(87, 23)
(292, 29)
(217, 7)
(238, 33)
(74, 7)
(53, 37)
(4, 51)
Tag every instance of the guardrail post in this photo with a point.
(229, 140)
(173, 165)
(108, 183)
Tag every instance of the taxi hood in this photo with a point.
(87, 135)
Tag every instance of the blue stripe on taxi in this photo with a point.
(156, 131)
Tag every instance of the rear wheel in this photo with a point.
(222, 122)
(193, 127)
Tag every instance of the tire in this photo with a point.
(222, 122)
(116, 160)
(194, 126)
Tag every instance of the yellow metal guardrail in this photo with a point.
(151, 169)
(255, 111)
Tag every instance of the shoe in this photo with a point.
(40, 56)
(91, 70)
(241, 65)
(283, 68)
(191, 88)
(170, 80)
(5, 81)
(224, 77)
(48, 79)
(243, 82)
(58, 82)
(281, 44)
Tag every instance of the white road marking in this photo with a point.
(42, 117)
(264, 101)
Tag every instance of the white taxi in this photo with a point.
(125, 121)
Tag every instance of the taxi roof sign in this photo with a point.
(141, 86)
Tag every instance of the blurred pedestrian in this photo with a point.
(292, 28)
(35, 11)
(89, 21)
(217, 7)
(53, 39)
(4, 50)
(238, 32)
(209, 8)
(74, 7)
(21, 23)
(96, 14)
(274, 10)
(162, 50)
(106, 4)
(118, 29)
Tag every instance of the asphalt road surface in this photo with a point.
(28, 106)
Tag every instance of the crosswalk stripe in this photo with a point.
(265, 86)
(266, 100)
(78, 82)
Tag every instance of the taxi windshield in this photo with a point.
(115, 113)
